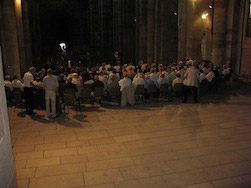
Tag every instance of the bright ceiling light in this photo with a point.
(204, 16)
(210, 6)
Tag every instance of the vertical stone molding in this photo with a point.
(219, 32)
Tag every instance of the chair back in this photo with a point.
(99, 92)
(17, 96)
(69, 100)
(140, 90)
(85, 93)
(70, 91)
(113, 91)
(87, 85)
(163, 88)
(177, 88)
(204, 86)
(151, 89)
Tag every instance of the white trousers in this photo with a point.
(50, 100)
(127, 96)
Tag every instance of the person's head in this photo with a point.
(147, 77)
(49, 71)
(112, 77)
(96, 78)
(70, 80)
(201, 71)
(7, 77)
(32, 70)
(37, 79)
(162, 76)
(210, 69)
(173, 69)
(75, 75)
(178, 75)
(15, 77)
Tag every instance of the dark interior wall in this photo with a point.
(103, 26)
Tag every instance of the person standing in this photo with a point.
(191, 82)
(28, 90)
(50, 84)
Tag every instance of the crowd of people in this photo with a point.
(127, 77)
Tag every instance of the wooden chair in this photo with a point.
(204, 86)
(70, 91)
(98, 93)
(164, 89)
(151, 90)
(178, 89)
(70, 100)
(140, 92)
(113, 92)
(17, 98)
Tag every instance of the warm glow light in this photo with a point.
(18, 3)
(175, 14)
(204, 16)
(210, 6)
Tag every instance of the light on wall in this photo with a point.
(204, 16)
(18, 3)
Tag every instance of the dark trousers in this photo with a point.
(187, 91)
(29, 101)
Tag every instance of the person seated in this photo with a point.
(162, 80)
(103, 77)
(76, 81)
(71, 74)
(38, 83)
(16, 83)
(97, 83)
(70, 85)
(138, 80)
(112, 82)
(7, 82)
(172, 75)
(154, 76)
(202, 76)
(149, 81)
(87, 80)
(127, 91)
(210, 76)
(177, 80)
(130, 71)
(225, 71)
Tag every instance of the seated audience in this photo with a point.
(97, 83)
(162, 80)
(202, 76)
(138, 80)
(112, 82)
(16, 83)
(210, 76)
(177, 80)
(70, 85)
(7, 82)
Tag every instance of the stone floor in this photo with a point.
(151, 145)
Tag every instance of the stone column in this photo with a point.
(150, 31)
(182, 30)
(10, 46)
(7, 172)
(142, 30)
(26, 31)
(20, 35)
(219, 32)
(232, 31)
(158, 30)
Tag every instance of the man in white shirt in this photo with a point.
(28, 90)
(50, 84)
(191, 82)
(127, 91)
(16, 83)
(7, 82)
